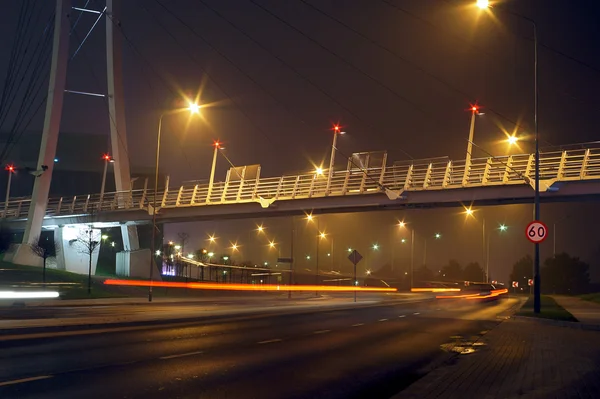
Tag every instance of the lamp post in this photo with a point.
(336, 132)
(107, 159)
(484, 4)
(402, 224)
(474, 112)
(10, 169)
(218, 147)
(485, 246)
(194, 109)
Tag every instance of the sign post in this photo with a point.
(536, 232)
(355, 257)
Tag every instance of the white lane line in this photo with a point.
(358, 324)
(416, 313)
(402, 315)
(22, 380)
(321, 331)
(181, 355)
(382, 319)
(269, 341)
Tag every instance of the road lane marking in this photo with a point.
(402, 315)
(270, 341)
(22, 380)
(180, 355)
(416, 313)
(382, 319)
(358, 324)
(321, 331)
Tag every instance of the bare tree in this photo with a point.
(87, 243)
(44, 248)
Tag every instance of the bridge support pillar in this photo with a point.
(72, 255)
(129, 232)
(54, 105)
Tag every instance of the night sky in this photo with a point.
(397, 75)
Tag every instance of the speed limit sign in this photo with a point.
(536, 231)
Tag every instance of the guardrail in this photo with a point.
(570, 165)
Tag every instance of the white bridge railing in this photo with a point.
(570, 165)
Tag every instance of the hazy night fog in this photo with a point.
(398, 75)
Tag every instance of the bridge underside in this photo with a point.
(482, 196)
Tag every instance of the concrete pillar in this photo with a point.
(73, 255)
(54, 105)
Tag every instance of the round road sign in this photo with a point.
(536, 231)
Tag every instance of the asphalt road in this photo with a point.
(369, 352)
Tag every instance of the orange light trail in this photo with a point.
(435, 289)
(492, 294)
(244, 287)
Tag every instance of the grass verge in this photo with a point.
(549, 310)
(595, 297)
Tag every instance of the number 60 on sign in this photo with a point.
(536, 231)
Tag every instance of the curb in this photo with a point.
(561, 323)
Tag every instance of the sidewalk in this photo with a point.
(520, 358)
(585, 311)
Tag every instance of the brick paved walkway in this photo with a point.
(520, 358)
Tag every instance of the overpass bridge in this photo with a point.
(564, 175)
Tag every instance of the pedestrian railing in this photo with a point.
(559, 166)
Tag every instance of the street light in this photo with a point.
(260, 228)
(536, 260)
(469, 212)
(10, 169)
(193, 108)
(512, 140)
(375, 247)
(211, 180)
(483, 4)
(474, 112)
(502, 227)
(107, 159)
(319, 171)
(402, 224)
(336, 132)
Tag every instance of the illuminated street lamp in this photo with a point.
(193, 108)
(402, 225)
(260, 228)
(512, 140)
(375, 247)
(474, 112)
(177, 247)
(502, 227)
(157, 252)
(485, 252)
(104, 237)
(438, 235)
(319, 171)
(482, 4)
(10, 169)
(272, 244)
(107, 159)
(336, 132)
(211, 180)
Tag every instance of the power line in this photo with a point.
(372, 128)
(136, 52)
(210, 77)
(339, 57)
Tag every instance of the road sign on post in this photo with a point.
(515, 284)
(530, 282)
(536, 232)
(355, 257)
